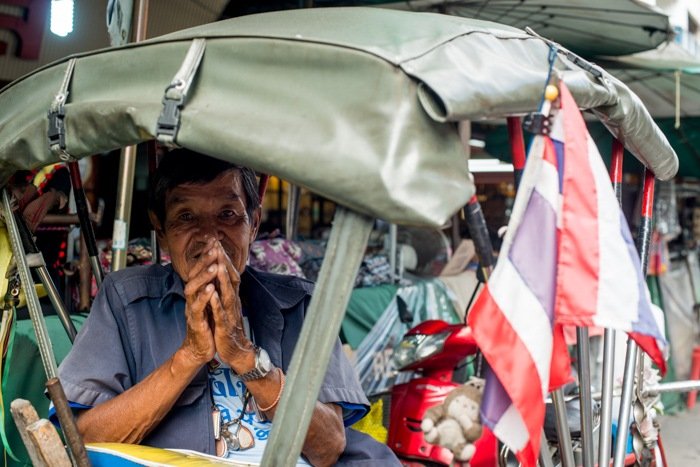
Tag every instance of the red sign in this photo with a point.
(28, 27)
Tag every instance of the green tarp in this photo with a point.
(24, 377)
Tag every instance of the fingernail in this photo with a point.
(212, 268)
(210, 287)
(211, 252)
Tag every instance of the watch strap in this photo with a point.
(258, 372)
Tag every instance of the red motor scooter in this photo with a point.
(433, 348)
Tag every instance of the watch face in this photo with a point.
(264, 362)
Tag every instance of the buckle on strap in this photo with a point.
(169, 119)
(56, 132)
(57, 127)
(168, 123)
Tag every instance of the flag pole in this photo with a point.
(604, 442)
(643, 241)
(584, 377)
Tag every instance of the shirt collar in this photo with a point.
(284, 296)
(173, 285)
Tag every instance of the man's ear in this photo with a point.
(155, 222)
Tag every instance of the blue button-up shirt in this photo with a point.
(138, 321)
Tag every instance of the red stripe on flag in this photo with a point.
(512, 363)
(560, 371)
(649, 345)
(579, 252)
(550, 154)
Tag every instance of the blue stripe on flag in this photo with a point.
(495, 400)
(559, 152)
(533, 252)
(645, 324)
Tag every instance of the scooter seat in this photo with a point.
(573, 418)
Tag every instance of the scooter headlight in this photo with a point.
(417, 347)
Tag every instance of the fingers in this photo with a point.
(202, 273)
(229, 334)
(206, 258)
(217, 311)
(225, 303)
(228, 279)
(198, 306)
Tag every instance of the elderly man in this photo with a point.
(192, 355)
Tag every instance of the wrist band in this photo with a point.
(279, 394)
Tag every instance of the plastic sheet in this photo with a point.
(666, 210)
(373, 361)
(679, 303)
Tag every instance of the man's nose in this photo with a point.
(210, 228)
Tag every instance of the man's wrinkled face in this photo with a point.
(195, 212)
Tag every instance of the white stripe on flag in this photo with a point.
(526, 315)
(618, 291)
(548, 184)
(557, 129)
(528, 183)
(511, 430)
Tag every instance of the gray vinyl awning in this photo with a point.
(667, 80)
(356, 104)
(587, 27)
(658, 75)
(657, 90)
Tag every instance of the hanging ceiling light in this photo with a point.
(61, 17)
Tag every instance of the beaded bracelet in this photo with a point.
(279, 394)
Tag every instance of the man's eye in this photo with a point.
(185, 217)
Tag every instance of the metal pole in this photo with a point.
(86, 229)
(566, 450)
(676, 386)
(545, 458)
(643, 239)
(393, 233)
(478, 231)
(35, 260)
(48, 359)
(68, 426)
(152, 167)
(346, 247)
(120, 235)
(517, 147)
(127, 168)
(584, 378)
(626, 401)
(604, 439)
(292, 224)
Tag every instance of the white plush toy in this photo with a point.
(455, 423)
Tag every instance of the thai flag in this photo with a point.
(567, 258)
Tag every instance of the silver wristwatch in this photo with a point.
(263, 365)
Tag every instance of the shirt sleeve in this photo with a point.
(342, 386)
(96, 369)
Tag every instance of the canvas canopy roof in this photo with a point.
(355, 104)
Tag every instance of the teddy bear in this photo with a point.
(455, 423)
